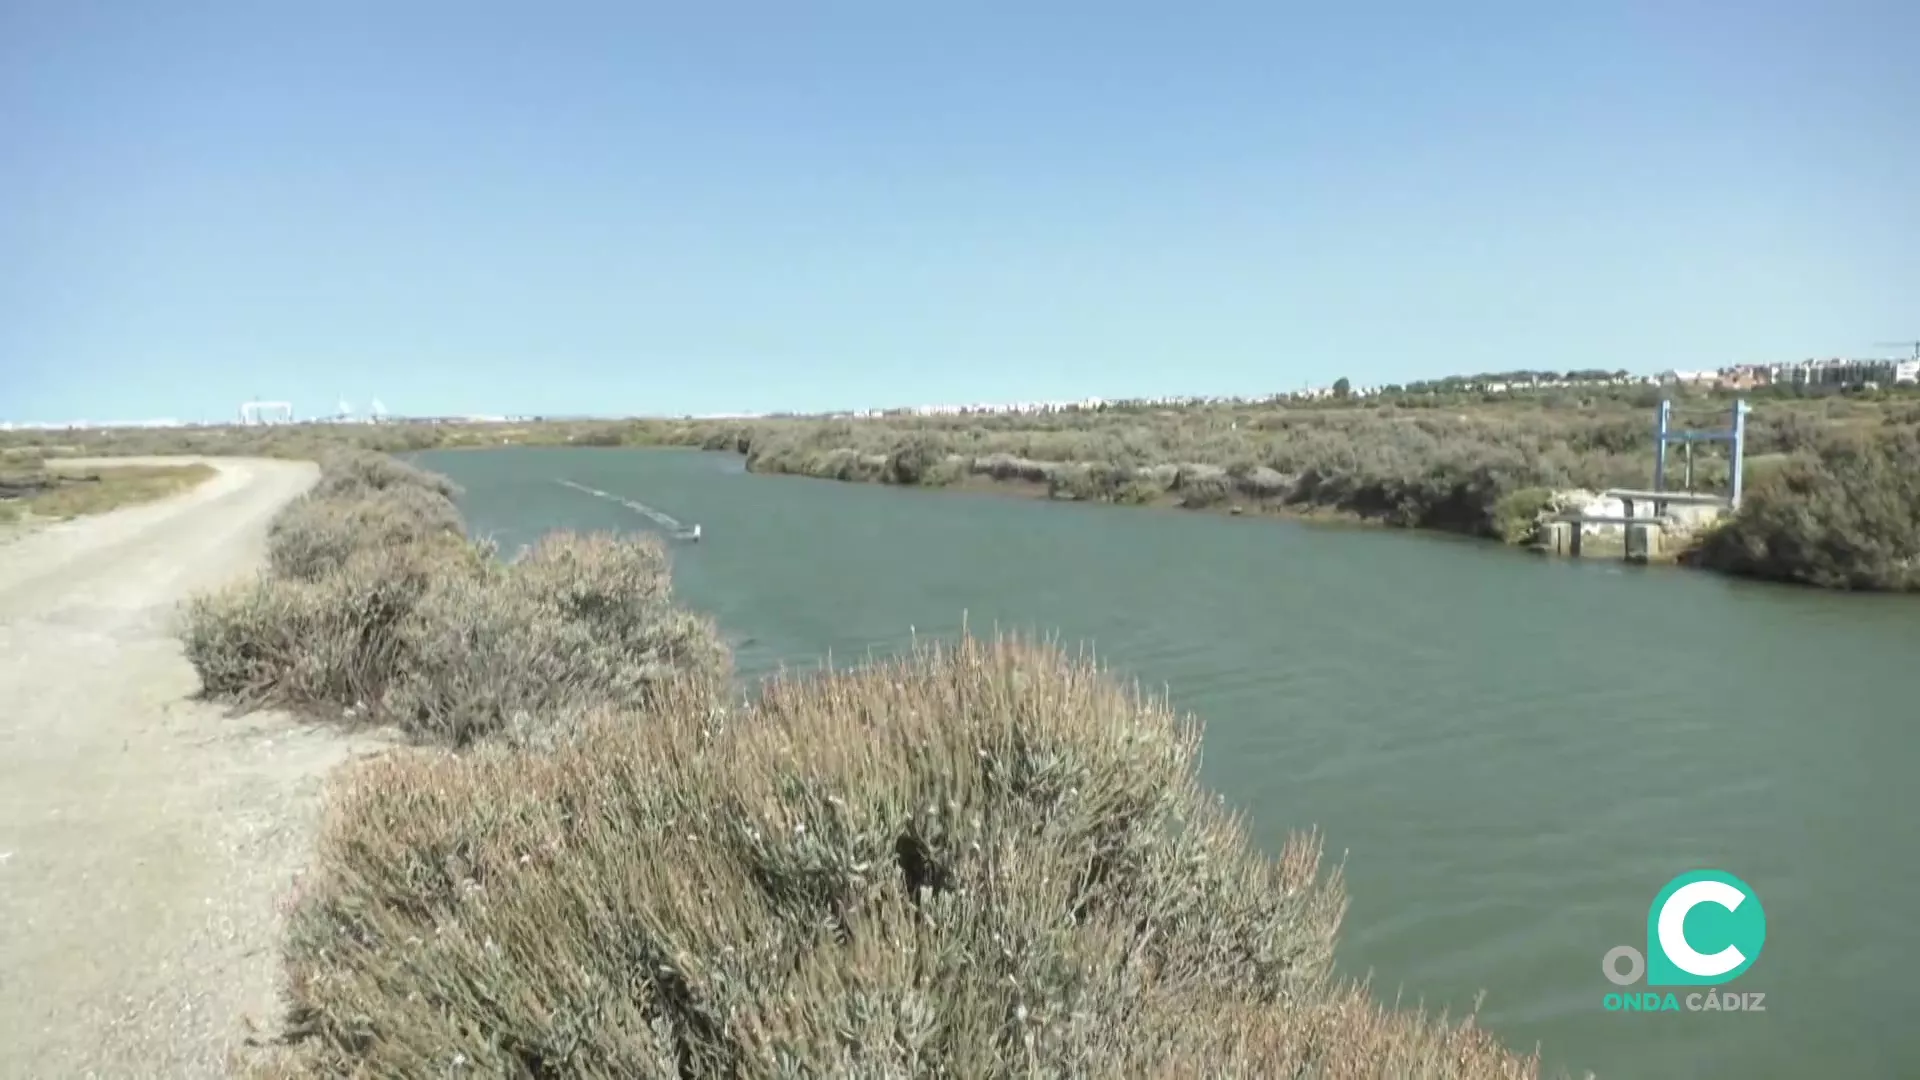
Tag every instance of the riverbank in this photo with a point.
(1831, 495)
(871, 835)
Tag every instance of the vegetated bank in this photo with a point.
(1830, 495)
(984, 859)
(1846, 516)
(1486, 465)
(1831, 491)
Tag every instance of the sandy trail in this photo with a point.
(146, 840)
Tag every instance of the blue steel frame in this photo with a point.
(1736, 435)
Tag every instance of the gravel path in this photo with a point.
(146, 839)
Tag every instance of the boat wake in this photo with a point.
(673, 525)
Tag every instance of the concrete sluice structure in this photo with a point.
(1612, 524)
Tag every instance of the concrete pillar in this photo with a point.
(1643, 542)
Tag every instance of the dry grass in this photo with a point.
(977, 862)
(60, 493)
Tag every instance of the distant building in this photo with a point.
(1837, 372)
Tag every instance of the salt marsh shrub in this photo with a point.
(353, 473)
(575, 623)
(318, 534)
(982, 861)
(376, 605)
(1845, 517)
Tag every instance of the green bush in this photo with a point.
(1516, 515)
(913, 461)
(1846, 517)
(984, 861)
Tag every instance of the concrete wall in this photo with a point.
(1592, 503)
(1686, 518)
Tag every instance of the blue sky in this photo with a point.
(667, 208)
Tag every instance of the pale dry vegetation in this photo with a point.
(376, 606)
(30, 489)
(984, 861)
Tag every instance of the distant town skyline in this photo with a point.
(1833, 371)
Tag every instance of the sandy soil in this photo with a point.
(146, 839)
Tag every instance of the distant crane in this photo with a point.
(1914, 345)
(346, 410)
(376, 412)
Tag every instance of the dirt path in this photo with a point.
(145, 839)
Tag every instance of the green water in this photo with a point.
(1515, 753)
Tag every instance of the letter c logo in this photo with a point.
(1673, 932)
(1737, 929)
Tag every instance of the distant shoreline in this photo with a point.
(1832, 479)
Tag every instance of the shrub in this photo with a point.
(318, 533)
(986, 861)
(1098, 482)
(374, 604)
(913, 461)
(353, 473)
(950, 469)
(1516, 516)
(1847, 517)
(576, 623)
(337, 640)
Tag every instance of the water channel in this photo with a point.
(1513, 753)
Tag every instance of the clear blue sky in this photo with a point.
(698, 207)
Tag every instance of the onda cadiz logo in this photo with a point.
(1705, 929)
